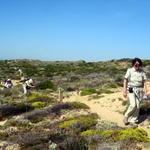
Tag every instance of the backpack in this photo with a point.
(25, 79)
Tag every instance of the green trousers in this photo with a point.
(133, 109)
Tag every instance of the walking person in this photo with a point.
(135, 86)
(27, 84)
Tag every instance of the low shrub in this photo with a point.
(88, 92)
(18, 123)
(24, 106)
(32, 138)
(106, 125)
(14, 109)
(45, 85)
(73, 142)
(139, 135)
(59, 106)
(79, 105)
(79, 123)
(38, 104)
(37, 115)
(38, 97)
(104, 91)
(50, 111)
(112, 85)
(135, 135)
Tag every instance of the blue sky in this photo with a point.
(90, 30)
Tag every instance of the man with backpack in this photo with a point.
(27, 84)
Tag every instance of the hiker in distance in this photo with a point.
(27, 84)
(7, 84)
(135, 86)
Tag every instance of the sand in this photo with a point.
(108, 107)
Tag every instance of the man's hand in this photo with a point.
(125, 94)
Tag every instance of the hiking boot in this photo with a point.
(133, 125)
(125, 120)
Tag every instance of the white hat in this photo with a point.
(30, 81)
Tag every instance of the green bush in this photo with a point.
(104, 91)
(88, 92)
(137, 135)
(134, 134)
(79, 123)
(38, 104)
(100, 135)
(112, 85)
(38, 97)
(45, 85)
(79, 105)
(91, 132)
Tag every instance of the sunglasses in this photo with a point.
(137, 65)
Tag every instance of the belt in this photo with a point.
(135, 86)
(137, 91)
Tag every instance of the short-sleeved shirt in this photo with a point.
(135, 77)
(29, 82)
(8, 85)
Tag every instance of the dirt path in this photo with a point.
(108, 107)
(105, 107)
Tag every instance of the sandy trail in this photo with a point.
(108, 107)
(105, 107)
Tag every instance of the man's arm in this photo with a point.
(145, 88)
(30, 85)
(125, 87)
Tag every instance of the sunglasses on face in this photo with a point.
(137, 65)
